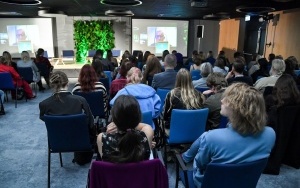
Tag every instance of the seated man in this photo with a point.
(236, 74)
(166, 79)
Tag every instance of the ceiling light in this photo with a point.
(10, 13)
(51, 13)
(283, 1)
(216, 17)
(21, 2)
(121, 2)
(119, 13)
(254, 10)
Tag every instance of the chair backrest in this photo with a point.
(187, 125)
(162, 93)
(195, 74)
(68, 53)
(147, 118)
(6, 81)
(109, 76)
(45, 54)
(67, 133)
(146, 174)
(244, 175)
(116, 53)
(297, 72)
(202, 89)
(95, 101)
(105, 82)
(26, 73)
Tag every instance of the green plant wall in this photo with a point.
(92, 35)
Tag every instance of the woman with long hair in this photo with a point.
(43, 61)
(183, 96)
(245, 139)
(98, 67)
(9, 60)
(89, 82)
(153, 66)
(130, 140)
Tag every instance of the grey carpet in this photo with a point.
(23, 154)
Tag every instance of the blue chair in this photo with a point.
(195, 74)
(147, 118)
(244, 175)
(6, 83)
(162, 93)
(27, 75)
(91, 53)
(186, 126)
(105, 82)
(109, 76)
(66, 133)
(95, 101)
(67, 55)
(297, 72)
(202, 89)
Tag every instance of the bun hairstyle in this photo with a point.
(134, 75)
(126, 114)
(58, 80)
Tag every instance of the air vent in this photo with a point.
(121, 2)
(119, 13)
(21, 2)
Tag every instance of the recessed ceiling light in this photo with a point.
(121, 2)
(51, 13)
(216, 17)
(254, 10)
(10, 13)
(20, 2)
(119, 13)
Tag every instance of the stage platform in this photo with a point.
(71, 69)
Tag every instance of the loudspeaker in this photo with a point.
(200, 31)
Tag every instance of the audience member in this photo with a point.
(89, 82)
(196, 63)
(220, 66)
(98, 67)
(174, 52)
(202, 56)
(152, 67)
(290, 69)
(164, 54)
(236, 74)
(18, 82)
(145, 57)
(140, 60)
(166, 79)
(205, 70)
(271, 57)
(210, 58)
(111, 58)
(179, 60)
(222, 55)
(120, 83)
(262, 71)
(217, 84)
(27, 62)
(295, 62)
(62, 102)
(277, 69)
(145, 95)
(245, 108)
(190, 61)
(254, 65)
(107, 65)
(126, 139)
(40, 59)
(9, 61)
(183, 96)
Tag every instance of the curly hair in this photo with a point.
(248, 108)
(87, 78)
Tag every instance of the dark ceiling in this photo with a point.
(178, 9)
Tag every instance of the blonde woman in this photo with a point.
(145, 95)
(246, 138)
(27, 62)
(183, 96)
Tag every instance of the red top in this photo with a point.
(12, 71)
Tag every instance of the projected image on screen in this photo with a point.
(159, 35)
(23, 36)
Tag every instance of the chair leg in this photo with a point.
(49, 165)
(61, 164)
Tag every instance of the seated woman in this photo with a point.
(145, 95)
(153, 66)
(18, 82)
(219, 66)
(246, 138)
(183, 96)
(40, 60)
(88, 82)
(27, 62)
(62, 102)
(205, 70)
(196, 63)
(119, 83)
(9, 61)
(98, 67)
(126, 139)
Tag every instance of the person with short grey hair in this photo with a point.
(277, 69)
(166, 79)
(205, 70)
